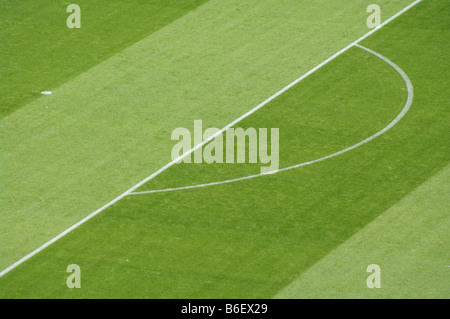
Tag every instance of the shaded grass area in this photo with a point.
(39, 52)
(250, 239)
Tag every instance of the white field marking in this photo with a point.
(179, 158)
(405, 109)
(46, 92)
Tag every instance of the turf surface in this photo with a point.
(247, 239)
(408, 242)
(40, 53)
(67, 154)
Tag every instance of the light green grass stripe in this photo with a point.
(410, 243)
(66, 155)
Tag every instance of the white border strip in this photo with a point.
(402, 113)
(162, 169)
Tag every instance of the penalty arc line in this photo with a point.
(179, 158)
(402, 113)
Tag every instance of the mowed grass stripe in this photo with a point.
(66, 155)
(408, 242)
(39, 52)
(254, 239)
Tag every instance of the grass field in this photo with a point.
(134, 72)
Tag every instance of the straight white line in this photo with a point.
(179, 158)
(402, 113)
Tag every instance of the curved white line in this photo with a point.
(405, 109)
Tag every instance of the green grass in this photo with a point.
(67, 154)
(326, 113)
(39, 52)
(251, 239)
(408, 241)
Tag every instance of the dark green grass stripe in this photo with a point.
(38, 51)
